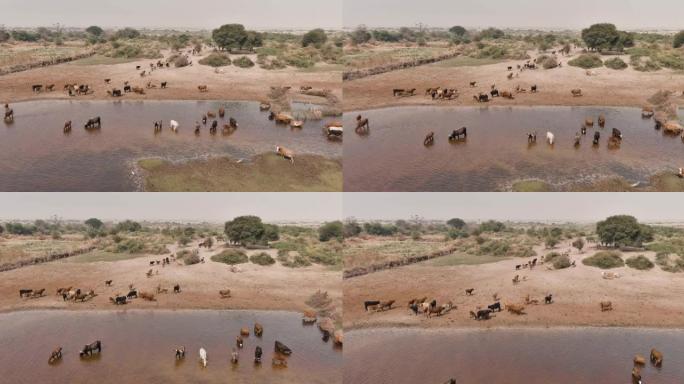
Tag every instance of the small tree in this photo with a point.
(127, 33)
(351, 228)
(458, 31)
(331, 230)
(456, 223)
(95, 30)
(678, 40)
(246, 230)
(94, 223)
(579, 244)
(360, 35)
(551, 242)
(315, 37)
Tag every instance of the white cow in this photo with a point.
(550, 137)
(203, 356)
(174, 125)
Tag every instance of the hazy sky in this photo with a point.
(206, 14)
(574, 14)
(514, 206)
(212, 207)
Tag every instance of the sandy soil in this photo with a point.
(640, 298)
(232, 84)
(607, 87)
(254, 287)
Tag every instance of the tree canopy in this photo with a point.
(127, 33)
(94, 223)
(95, 30)
(360, 35)
(678, 40)
(331, 230)
(315, 37)
(246, 230)
(623, 230)
(456, 223)
(235, 36)
(457, 30)
(605, 36)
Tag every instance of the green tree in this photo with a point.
(235, 36)
(331, 230)
(605, 36)
(551, 242)
(128, 226)
(94, 223)
(315, 37)
(360, 35)
(246, 230)
(95, 30)
(623, 230)
(456, 223)
(127, 33)
(491, 33)
(351, 228)
(678, 41)
(458, 31)
(492, 226)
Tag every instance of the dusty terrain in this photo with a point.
(640, 298)
(606, 86)
(253, 287)
(231, 83)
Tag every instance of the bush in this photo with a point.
(640, 262)
(586, 61)
(189, 258)
(644, 64)
(615, 63)
(329, 231)
(216, 59)
(492, 226)
(549, 63)
(181, 61)
(678, 40)
(243, 62)
(604, 260)
(230, 256)
(315, 37)
(561, 262)
(262, 258)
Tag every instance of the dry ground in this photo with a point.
(607, 87)
(640, 298)
(232, 83)
(254, 287)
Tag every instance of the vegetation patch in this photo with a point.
(262, 258)
(243, 62)
(231, 257)
(605, 260)
(557, 260)
(615, 63)
(640, 262)
(216, 59)
(587, 61)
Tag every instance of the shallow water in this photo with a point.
(36, 155)
(531, 356)
(138, 347)
(496, 154)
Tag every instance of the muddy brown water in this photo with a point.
(508, 356)
(35, 154)
(496, 153)
(138, 347)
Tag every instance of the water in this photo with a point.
(530, 356)
(496, 154)
(36, 155)
(138, 347)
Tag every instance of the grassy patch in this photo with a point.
(262, 258)
(605, 260)
(243, 62)
(557, 260)
(231, 257)
(466, 61)
(266, 172)
(615, 63)
(460, 258)
(640, 262)
(587, 61)
(103, 60)
(216, 59)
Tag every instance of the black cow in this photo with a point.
(89, 349)
(457, 133)
(93, 123)
(369, 303)
(25, 292)
(617, 133)
(257, 355)
(132, 293)
(548, 299)
(496, 307)
(482, 314)
(597, 137)
(176, 288)
(127, 88)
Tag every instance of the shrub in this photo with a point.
(678, 41)
(549, 63)
(332, 230)
(492, 226)
(230, 256)
(640, 262)
(262, 258)
(315, 37)
(189, 257)
(586, 61)
(216, 59)
(243, 62)
(181, 61)
(561, 262)
(615, 63)
(604, 260)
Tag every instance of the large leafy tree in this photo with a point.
(605, 36)
(457, 30)
(94, 223)
(247, 230)
(235, 36)
(623, 230)
(331, 230)
(95, 30)
(315, 37)
(456, 223)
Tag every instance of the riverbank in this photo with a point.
(639, 298)
(265, 172)
(605, 87)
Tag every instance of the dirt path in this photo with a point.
(254, 287)
(232, 83)
(607, 87)
(640, 298)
